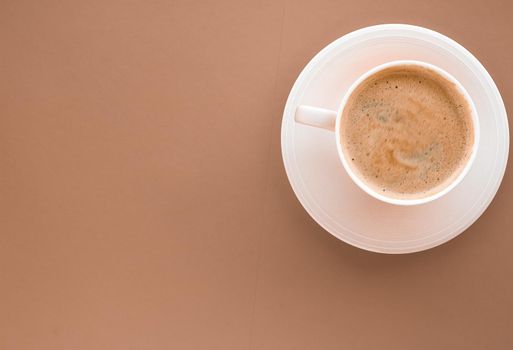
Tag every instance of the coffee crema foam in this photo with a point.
(407, 132)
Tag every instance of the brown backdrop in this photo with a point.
(144, 204)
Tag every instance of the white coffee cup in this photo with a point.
(331, 120)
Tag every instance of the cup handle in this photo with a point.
(315, 116)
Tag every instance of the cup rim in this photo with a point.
(407, 201)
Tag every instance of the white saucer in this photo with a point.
(326, 191)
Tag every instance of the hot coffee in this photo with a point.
(407, 131)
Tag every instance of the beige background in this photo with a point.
(144, 204)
